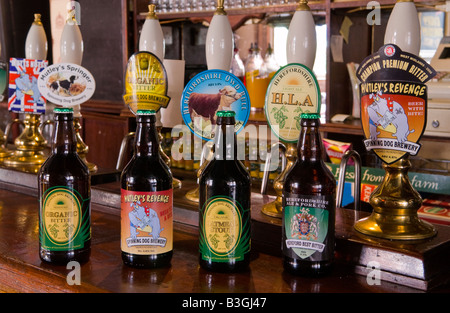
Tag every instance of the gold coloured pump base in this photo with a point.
(193, 195)
(3, 151)
(395, 203)
(29, 154)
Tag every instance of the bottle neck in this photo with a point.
(310, 145)
(64, 139)
(225, 141)
(146, 139)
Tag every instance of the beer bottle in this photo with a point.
(64, 195)
(146, 200)
(309, 195)
(224, 205)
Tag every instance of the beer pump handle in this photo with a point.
(275, 147)
(341, 181)
(8, 129)
(205, 157)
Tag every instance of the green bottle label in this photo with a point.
(306, 226)
(223, 236)
(63, 225)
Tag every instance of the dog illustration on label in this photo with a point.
(144, 219)
(389, 116)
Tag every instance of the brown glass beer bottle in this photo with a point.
(309, 196)
(146, 200)
(224, 206)
(64, 197)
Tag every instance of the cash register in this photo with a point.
(439, 92)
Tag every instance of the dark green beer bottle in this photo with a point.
(224, 206)
(146, 200)
(309, 196)
(64, 195)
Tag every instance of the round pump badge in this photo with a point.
(145, 83)
(66, 84)
(211, 91)
(293, 90)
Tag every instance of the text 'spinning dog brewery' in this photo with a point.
(393, 102)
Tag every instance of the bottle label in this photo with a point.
(306, 225)
(222, 235)
(63, 224)
(147, 222)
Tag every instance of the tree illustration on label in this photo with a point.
(298, 117)
(54, 230)
(279, 116)
(229, 241)
(68, 230)
(214, 241)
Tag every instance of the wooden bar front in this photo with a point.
(21, 269)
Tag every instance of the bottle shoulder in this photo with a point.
(310, 176)
(225, 170)
(146, 173)
(64, 164)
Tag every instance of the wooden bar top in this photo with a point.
(21, 269)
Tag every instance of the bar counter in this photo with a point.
(21, 269)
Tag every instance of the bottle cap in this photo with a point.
(310, 116)
(226, 113)
(145, 112)
(63, 110)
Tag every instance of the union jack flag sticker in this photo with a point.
(24, 94)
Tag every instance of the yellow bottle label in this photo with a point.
(63, 226)
(222, 237)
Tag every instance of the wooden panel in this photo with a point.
(23, 271)
(105, 32)
(103, 134)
